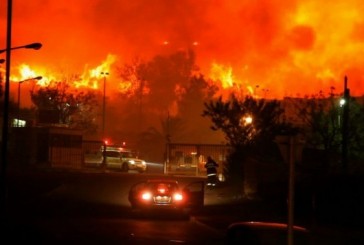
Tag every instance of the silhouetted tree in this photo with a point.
(322, 123)
(156, 87)
(153, 140)
(150, 81)
(190, 105)
(321, 118)
(76, 109)
(250, 126)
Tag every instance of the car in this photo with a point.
(116, 158)
(166, 194)
(268, 233)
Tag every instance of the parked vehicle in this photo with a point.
(166, 194)
(268, 233)
(117, 158)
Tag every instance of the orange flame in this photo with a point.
(224, 78)
(27, 73)
(223, 75)
(91, 78)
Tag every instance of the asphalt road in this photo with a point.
(78, 207)
(91, 207)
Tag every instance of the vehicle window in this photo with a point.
(166, 186)
(127, 154)
(112, 154)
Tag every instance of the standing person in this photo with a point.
(211, 166)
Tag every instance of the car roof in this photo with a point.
(162, 181)
(116, 148)
(264, 225)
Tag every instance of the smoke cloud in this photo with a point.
(284, 47)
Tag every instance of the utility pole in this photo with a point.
(168, 142)
(345, 126)
(1, 78)
(291, 148)
(5, 136)
(103, 122)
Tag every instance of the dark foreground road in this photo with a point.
(92, 208)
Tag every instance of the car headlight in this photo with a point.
(131, 161)
(144, 163)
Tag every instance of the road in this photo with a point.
(92, 226)
(92, 207)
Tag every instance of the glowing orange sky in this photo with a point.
(284, 48)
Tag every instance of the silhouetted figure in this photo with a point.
(211, 166)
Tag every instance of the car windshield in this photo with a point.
(128, 154)
(162, 187)
(112, 154)
(254, 108)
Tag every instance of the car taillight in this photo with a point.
(146, 196)
(177, 197)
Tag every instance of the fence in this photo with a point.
(186, 159)
(190, 159)
(65, 150)
(68, 151)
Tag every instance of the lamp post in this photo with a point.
(291, 148)
(104, 105)
(1, 79)
(345, 126)
(4, 143)
(19, 83)
(35, 46)
(103, 121)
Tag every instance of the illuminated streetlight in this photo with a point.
(19, 83)
(345, 125)
(342, 102)
(246, 120)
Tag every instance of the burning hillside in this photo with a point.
(269, 48)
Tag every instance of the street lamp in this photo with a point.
(342, 102)
(1, 79)
(35, 46)
(291, 148)
(104, 104)
(19, 83)
(345, 125)
(246, 120)
(4, 143)
(103, 121)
